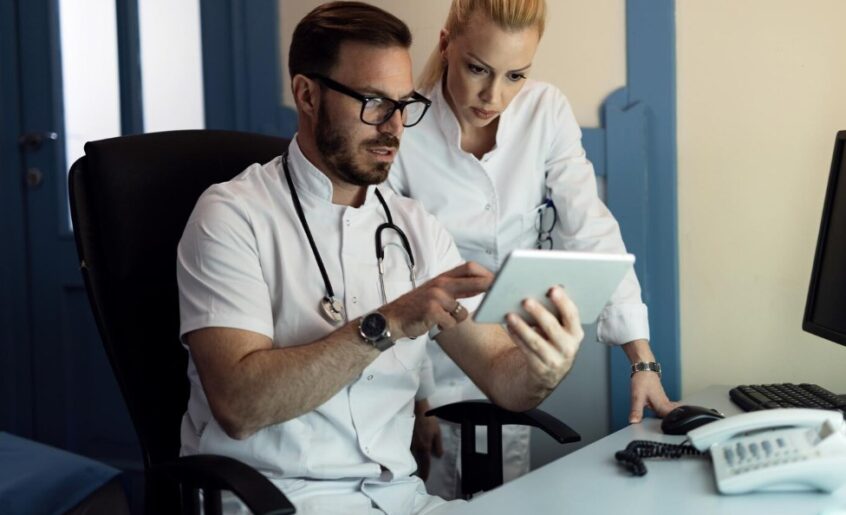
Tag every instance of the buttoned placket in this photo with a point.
(491, 207)
(358, 226)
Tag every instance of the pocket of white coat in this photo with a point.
(531, 221)
(531, 218)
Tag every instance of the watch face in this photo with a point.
(373, 325)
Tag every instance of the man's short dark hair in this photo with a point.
(318, 37)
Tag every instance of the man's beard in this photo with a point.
(335, 150)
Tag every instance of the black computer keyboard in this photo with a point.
(785, 395)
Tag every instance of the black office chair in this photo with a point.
(130, 200)
(482, 471)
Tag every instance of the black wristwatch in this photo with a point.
(373, 327)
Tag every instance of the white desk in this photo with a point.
(590, 481)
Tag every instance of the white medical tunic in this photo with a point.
(244, 262)
(491, 207)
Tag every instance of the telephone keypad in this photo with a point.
(783, 456)
(767, 446)
(729, 455)
(751, 453)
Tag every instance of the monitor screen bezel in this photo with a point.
(834, 175)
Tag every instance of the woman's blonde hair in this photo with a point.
(507, 14)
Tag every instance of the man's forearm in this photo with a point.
(273, 385)
(496, 365)
(512, 387)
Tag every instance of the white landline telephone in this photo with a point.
(776, 450)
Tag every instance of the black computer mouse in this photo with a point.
(686, 418)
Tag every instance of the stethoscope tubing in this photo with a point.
(380, 250)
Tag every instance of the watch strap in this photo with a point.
(383, 343)
(646, 366)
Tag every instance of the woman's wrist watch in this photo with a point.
(646, 366)
(373, 328)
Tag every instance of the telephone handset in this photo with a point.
(776, 450)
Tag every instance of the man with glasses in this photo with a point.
(297, 366)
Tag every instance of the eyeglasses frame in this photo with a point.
(546, 236)
(364, 99)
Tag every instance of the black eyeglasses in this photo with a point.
(547, 217)
(378, 110)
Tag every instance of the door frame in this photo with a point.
(242, 92)
(16, 412)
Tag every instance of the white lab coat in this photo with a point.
(244, 262)
(490, 206)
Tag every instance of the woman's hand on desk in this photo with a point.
(647, 392)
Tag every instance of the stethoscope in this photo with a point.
(332, 307)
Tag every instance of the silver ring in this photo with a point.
(454, 313)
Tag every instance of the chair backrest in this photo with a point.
(130, 200)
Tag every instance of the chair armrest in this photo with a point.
(215, 473)
(483, 413)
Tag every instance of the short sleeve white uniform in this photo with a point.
(244, 262)
(490, 205)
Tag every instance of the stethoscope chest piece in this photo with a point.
(333, 309)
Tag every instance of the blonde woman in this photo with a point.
(494, 160)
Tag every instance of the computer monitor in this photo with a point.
(825, 309)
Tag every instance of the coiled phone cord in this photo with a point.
(632, 456)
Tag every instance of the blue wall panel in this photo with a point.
(241, 67)
(593, 140)
(641, 155)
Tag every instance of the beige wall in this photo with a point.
(583, 50)
(760, 96)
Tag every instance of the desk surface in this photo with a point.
(590, 481)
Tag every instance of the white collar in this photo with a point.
(449, 122)
(311, 179)
(446, 118)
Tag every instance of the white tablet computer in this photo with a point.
(589, 279)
